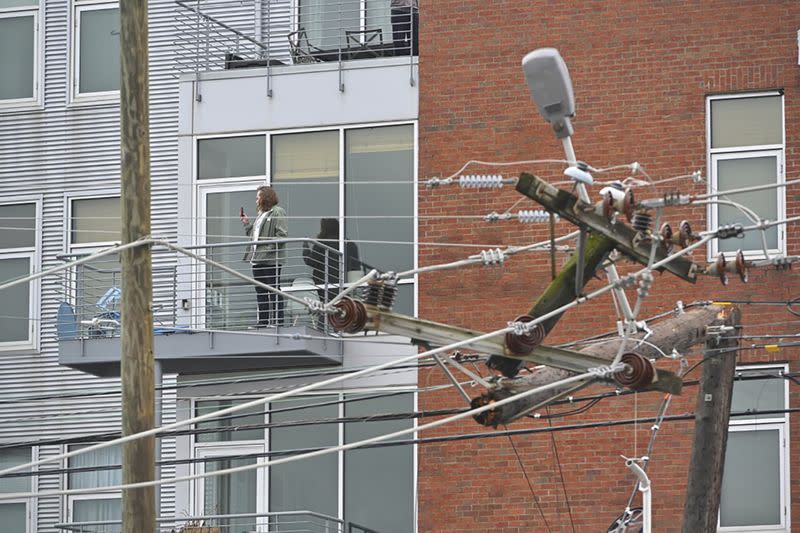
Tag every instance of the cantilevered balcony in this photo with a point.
(206, 317)
(225, 34)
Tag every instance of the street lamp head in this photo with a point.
(551, 88)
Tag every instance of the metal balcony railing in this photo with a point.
(190, 294)
(214, 35)
(276, 522)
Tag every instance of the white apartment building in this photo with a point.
(318, 99)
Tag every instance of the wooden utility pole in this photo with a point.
(712, 413)
(138, 390)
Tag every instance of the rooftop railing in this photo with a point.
(208, 294)
(283, 522)
(213, 35)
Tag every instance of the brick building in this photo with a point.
(650, 78)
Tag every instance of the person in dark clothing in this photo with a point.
(323, 258)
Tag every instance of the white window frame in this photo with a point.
(72, 498)
(215, 449)
(33, 254)
(35, 101)
(208, 450)
(768, 422)
(30, 507)
(87, 247)
(202, 186)
(75, 96)
(713, 155)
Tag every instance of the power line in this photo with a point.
(389, 444)
(528, 480)
(233, 470)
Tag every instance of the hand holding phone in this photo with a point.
(242, 216)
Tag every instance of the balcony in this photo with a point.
(206, 317)
(287, 521)
(217, 35)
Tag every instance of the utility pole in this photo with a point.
(138, 390)
(712, 413)
(679, 332)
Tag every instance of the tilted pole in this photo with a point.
(712, 414)
(137, 367)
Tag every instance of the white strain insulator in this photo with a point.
(493, 257)
(536, 216)
(481, 181)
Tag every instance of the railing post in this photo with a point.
(411, 80)
(269, 44)
(198, 97)
(339, 39)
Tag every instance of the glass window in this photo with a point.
(754, 491)
(379, 482)
(14, 321)
(14, 515)
(379, 195)
(254, 419)
(98, 54)
(325, 22)
(305, 174)
(19, 226)
(232, 157)
(96, 220)
(17, 256)
(231, 494)
(751, 489)
(746, 148)
(5, 4)
(746, 121)
(17, 54)
(230, 302)
(98, 506)
(310, 484)
(768, 394)
(746, 172)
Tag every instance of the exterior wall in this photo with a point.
(641, 72)
(65, 148)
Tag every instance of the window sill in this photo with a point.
(20, 105)
(95, 99)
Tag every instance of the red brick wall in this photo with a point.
(641, 71)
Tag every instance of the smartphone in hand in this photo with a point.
(241, 212)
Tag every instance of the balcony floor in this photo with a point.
(210, 351)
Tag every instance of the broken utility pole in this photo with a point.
(138, 387)
(679, 332)
(712, 413)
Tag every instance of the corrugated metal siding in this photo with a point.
(63, 149)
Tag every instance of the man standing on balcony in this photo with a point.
(405, 26)
(266, 257)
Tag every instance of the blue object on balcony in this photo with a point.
(110, 300)
(66, 323)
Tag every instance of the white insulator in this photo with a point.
(493, 257)
(535, 216)
(481, 181)
(579, 175)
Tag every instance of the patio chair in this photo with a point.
(364, 44)
(300, 49)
